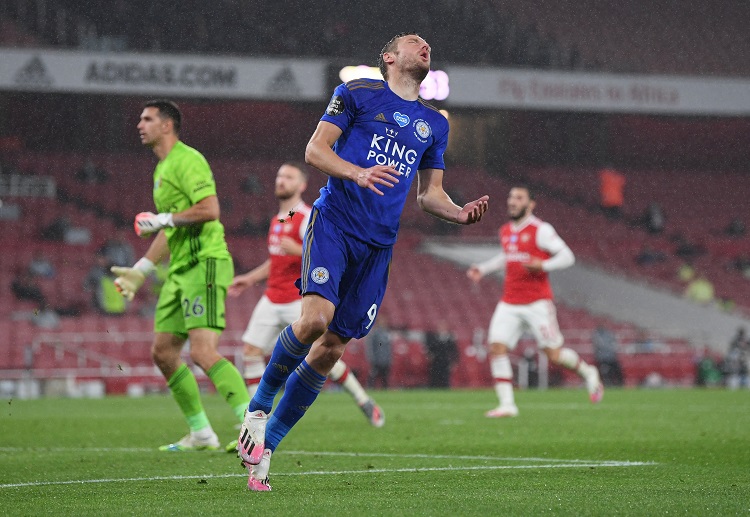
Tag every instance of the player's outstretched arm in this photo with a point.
(319, 154)
(433, 199)
(249, 279)
(477, 271)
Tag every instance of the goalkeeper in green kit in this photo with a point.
(191, 303)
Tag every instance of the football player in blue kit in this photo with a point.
(373, 140)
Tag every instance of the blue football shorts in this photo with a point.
(346, 271)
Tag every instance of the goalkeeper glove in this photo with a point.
(147, 223)
(130, 279)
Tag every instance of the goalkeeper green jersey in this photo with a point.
(181, 180)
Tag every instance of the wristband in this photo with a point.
(145, 266)
(165, 219)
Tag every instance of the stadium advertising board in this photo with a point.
(306, 80)
(160, 74)
(434, 87)
(567, 91)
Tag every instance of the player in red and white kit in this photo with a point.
(281, 304)
(530, 250)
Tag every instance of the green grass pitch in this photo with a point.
(640, 452)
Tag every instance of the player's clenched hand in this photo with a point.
(534, 265)
(472, 212)
(289, 245)
(474, 274)
(377, 175)
(128, 281)
(147, 223)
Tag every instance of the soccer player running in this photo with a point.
(281, 304)
(373, 140)
(530, 250)
(191, 303)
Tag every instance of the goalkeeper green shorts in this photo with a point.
(194, 298)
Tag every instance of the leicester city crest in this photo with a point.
(422, 130)
(319, 275)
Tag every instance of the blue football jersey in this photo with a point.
(379, 128)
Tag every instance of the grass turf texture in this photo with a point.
(436, 455)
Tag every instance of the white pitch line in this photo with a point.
(77, 449)
(336, 472)
(312, 453)
(437, 457)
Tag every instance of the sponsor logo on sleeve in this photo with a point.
(336, 106)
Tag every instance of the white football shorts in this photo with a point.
(267, 322)
(510, 321)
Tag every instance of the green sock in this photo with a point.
(185, 391)
(231, 385)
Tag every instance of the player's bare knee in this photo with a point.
(204, 355)
(163, 356)
(311, 326)
(498, 349)
(326, 352)
(252, 350)
(198, 356)
(157, 355)
(329, 357)
(553, 354)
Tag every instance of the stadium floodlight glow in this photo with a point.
(434, 87)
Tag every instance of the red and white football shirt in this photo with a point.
(285, 269)
(531, 238)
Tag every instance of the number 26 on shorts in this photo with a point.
(193, 309)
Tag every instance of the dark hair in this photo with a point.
(167, 109)
(524, 186)
(299, 166)
(390, 47)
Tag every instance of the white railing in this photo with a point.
(75, 359)
(91, 361)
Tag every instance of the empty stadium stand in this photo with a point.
(480, 32)
(657, 37)
(422, 289)
(683, 196)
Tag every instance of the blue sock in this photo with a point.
(302, 389)
(287, 355)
